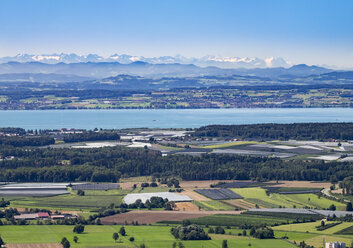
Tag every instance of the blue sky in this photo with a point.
(301, 31)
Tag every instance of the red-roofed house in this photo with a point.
(43, 215)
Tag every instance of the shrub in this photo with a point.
(80, 192)
(79, 229)
(264, 233)
(122, 231)
(115, 236)
(219, 230)
(191, 232)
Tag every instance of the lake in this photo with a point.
(166, 118)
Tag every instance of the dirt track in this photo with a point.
(149, 217)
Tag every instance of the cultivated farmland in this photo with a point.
(258, 196)
(149, 217)
(219, 194)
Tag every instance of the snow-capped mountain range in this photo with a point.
(219, 61)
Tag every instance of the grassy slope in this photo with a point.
(311, 227)
(308, 232)
(237, 220)
(214, 205)
(92, 199)
(101, 236)
(230, 144)
(258, 196)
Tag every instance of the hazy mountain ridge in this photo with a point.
(144, 69)
(219, 61)
(41, 77)
(132, 82)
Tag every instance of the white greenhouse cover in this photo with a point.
(131, 198)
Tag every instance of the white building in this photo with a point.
(335, 245)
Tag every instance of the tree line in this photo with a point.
(91, 136)
(298, 131)
(20, 141)
(108, 164)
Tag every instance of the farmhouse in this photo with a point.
(57, 217)
(131, 198)
(26, 217)
(35, 216)
(42, 216)
(335, 245)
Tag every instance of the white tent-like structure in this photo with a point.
(131, 198)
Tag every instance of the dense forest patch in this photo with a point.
(298, 131)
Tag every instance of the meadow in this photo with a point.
(237, 220)
(258, 196)
(213, 205)
(91, 201)
(309, 233)
(101, 236)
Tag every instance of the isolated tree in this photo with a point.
(224, 244)
(65, 243)
(115, 236)
(79, 229)
(1, 242)
(219, 230)
(332, 207)
(80, 192)
(122, 231)
(142, 246)
(75, 239)
(349, 207)
(181, 245)
(63, 240)
(174, 245)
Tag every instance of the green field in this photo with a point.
(346, 231)
(101, 236)
(230, 144)
(308, 232)
(92, 200)
(258, 196)
(237, 220)
(311, 227)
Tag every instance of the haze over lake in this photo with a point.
(166, 118)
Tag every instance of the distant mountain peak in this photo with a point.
(210, 60)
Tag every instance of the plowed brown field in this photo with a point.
(186, 206)
(240, 203)
(194, 195)
(149, 217)
(301, 184)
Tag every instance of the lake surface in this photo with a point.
(166, 118)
